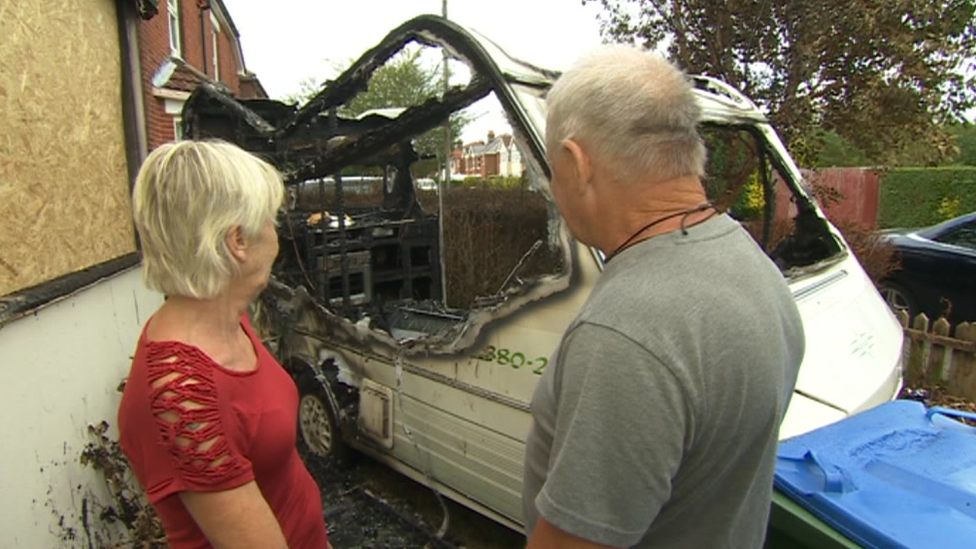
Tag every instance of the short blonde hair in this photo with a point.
(187, 196)
(633, 108)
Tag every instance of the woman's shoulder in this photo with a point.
(168, 339)
(173, 354)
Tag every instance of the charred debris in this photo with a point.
(372, 273)
(369, 271)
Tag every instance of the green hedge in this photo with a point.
(917, 197)
(495, 181)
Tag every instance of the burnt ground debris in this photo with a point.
(368, 506)
(358, 519)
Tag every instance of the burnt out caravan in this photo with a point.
(416, 322)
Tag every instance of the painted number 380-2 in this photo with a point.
(506, 357)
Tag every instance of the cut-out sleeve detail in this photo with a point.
(183, 399)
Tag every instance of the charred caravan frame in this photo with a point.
(360, 262)
(355, 310)
(382, 263)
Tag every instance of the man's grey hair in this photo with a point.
(631, 109)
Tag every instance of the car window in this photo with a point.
(963, 236)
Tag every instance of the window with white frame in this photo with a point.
(215, 34)
(177, 128)
(175, 42)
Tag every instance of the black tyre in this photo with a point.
(899, 298)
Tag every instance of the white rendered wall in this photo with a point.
(59, 370)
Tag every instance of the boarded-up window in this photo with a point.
(64, 194)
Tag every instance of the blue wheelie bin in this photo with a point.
(898, 476)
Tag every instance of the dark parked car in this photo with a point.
(938, 270)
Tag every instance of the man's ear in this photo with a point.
(236, 243)
(581, 163)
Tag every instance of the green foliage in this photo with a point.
(965, 136)
(838, 152)
(749, 206)
(948, 208)
(402, 82)
(917, 197)
(493, 181)
(732, 178)
(307, 87)
(883, 75)
(805, 148)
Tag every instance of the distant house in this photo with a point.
(187, 43)
(496, 156)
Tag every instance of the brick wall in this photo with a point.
(153, 48)
(197, 51)
(492, 164)
(229, 71)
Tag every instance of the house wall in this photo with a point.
(154, 49)
(61, 367)
(229, 71)
(65, 148)
(492, 164)
(63, 181)
(511, 162)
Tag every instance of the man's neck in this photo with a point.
(642, 210)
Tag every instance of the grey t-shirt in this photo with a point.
(657, 423)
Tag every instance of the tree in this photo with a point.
(966, 143)
(403, 81)
(307, 87)
(882, 74)
(837, 152)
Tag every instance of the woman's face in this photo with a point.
(266, 250)
(261, 253)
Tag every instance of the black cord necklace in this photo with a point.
(685, 213)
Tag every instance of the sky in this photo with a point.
(286, 41)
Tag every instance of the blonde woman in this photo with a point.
(208, 416)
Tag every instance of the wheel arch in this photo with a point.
(321, 375)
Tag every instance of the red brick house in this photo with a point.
(186, 43)
(497, 156)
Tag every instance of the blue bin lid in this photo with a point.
(898, 476)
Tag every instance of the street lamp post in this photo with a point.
(447, 176)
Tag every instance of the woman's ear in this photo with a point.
(236, 243)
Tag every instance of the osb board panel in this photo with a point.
(64, 199)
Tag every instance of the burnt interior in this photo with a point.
(378, 260)
(381, 260)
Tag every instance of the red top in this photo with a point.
(231, 428)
